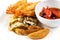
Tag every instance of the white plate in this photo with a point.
(5, 34)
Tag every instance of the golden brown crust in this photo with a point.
(20, 31)
(27, 31)
(32, 29)
(39, 34)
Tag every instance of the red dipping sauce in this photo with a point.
(50, 13)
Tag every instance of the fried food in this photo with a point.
(23, 20)
(11, 9)
(39, 34)
(29, 10)
(32, 29)
(22, 8)
(20, 31)
(28, 24)
(26, 30)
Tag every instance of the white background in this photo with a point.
(7, 35)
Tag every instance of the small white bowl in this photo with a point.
(52, 3)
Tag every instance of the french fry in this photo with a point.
(11, 8)
(31, 6)
(22, 8)
(25, 1)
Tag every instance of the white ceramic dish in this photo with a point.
(49, 3)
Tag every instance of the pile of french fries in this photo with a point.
(22, 8)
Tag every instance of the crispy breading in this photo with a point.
(20, 31)
(27, 31)
(39, 34)
(32, 29)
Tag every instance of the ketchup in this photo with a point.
(50, 13)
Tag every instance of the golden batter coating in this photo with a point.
(39, 34)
